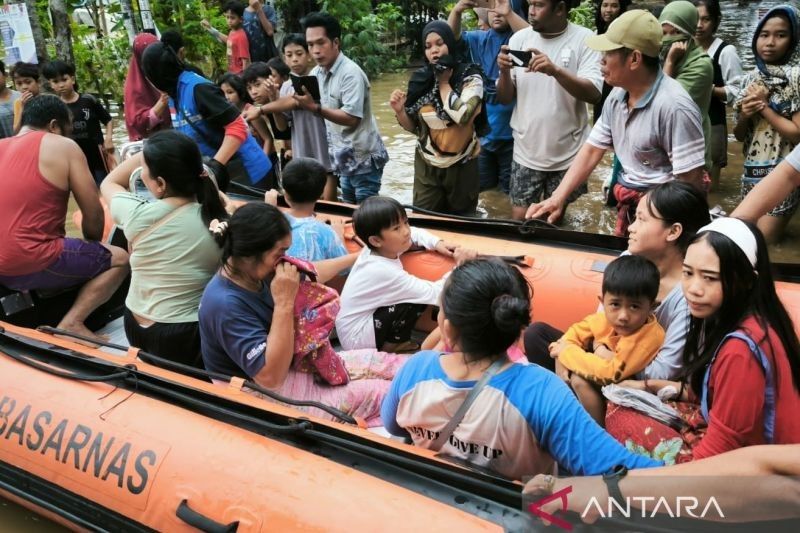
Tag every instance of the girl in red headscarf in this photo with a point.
(146, 108)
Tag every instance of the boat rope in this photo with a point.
(130, 373)
(525, 227)
(77, 376)
(529, 223)
(241, 188)
(500, 491)
(133, 391)
(297, 426)
(206, 374)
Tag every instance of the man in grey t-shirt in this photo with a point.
(354, 143)
(649, 120)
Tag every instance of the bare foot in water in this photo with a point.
(80, 328)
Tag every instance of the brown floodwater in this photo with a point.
(587, 214)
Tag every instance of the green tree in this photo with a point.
(101, 64)
(372, 37)
(292, 11)
(202, 49)
(583, 14)
(62, 31)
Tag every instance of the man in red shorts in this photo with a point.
(40, 168)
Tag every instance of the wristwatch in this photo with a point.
(612, 480)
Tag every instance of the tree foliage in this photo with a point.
(202, 49)
(371, 36)
(583, 14)
(380, 35)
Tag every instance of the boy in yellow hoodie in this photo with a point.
(617, 342)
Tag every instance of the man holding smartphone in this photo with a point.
(494, 161)
(550, 120)
(355, 146)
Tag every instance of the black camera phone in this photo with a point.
(520, 58)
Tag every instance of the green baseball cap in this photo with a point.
(636, 29)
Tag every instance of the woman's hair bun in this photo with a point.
(509, 313)
(487, 302)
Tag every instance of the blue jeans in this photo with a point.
(358, 187)
(494, 164)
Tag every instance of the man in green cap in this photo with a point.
(649, 120)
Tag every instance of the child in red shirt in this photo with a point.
(236, 41)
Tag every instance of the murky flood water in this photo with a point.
(16, 518)
(587, 214)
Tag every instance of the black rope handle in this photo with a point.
(506, 221)
(196, 372)
(202, 522)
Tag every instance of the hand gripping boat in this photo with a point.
(100, 439)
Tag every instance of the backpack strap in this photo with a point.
(718, 52)
(769, 391)
(451, 426)
(160, 222)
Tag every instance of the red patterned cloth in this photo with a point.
(627, 200)
(643, 435)
(315, 309)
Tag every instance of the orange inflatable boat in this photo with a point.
(564, 267)
(100, 439)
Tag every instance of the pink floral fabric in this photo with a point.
(370, 373)
(315, 309)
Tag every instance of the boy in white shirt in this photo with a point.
(380, 301)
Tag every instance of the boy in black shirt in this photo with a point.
(88, 115)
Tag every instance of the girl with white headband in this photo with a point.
(742, 353)
(742, 356)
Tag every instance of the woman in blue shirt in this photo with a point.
(525, 419)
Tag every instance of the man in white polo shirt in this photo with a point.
(649, 120)
(550, 121)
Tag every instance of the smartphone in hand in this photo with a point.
(520, 58)
(306, 85)
(486, 4)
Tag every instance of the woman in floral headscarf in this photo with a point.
(685, 61)
(768, 109)
(444, 107)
